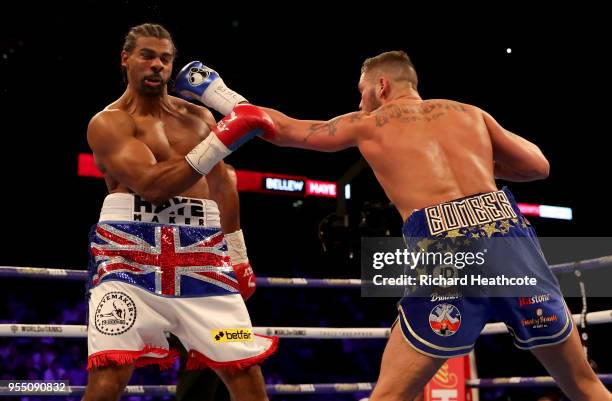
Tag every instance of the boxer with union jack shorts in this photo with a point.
(158, 269)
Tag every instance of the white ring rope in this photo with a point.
(320, 333)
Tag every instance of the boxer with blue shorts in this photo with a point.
(444, 322)
(425, 153)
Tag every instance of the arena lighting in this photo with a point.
(249, 181)
(87, 166)
(546, 211)
(255, 181)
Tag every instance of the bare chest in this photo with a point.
(171, 136)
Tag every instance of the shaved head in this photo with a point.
(394, 65)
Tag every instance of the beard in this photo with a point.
(373, 102)
(149, 90)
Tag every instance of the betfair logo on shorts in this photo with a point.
(232, 335)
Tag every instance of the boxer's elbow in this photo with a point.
(525, 171)
(538, 170)
(166, 179)
(154, 192)
(543, 169)
(534, 166)
(539, 167)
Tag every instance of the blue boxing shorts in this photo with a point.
(443, 321)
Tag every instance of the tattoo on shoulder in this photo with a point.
(353, 117)
(424, 113)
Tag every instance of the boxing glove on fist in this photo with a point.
(196, 81)
(242, 124)
(236, 249)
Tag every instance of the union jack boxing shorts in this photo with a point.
(164, 269)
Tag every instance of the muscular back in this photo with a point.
(422, 152)
(167, 136)
(429, 152)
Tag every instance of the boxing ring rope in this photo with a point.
(538, 381)
(80, 331)
(316, 333)
(271, 389)
(68, 274)
(318, 388)
(81, 275)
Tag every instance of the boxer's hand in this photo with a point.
(242, 124)
(236, 248)
(196, 81)
(246, 279)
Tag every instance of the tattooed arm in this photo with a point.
(326, 136)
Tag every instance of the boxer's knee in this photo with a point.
(104, 391)
(245, 384)
(392, 393)
(108, 383)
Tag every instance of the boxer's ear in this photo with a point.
(383, 87)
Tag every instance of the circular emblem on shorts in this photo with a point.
(445, 319)
(197, 76)
(115, 314)
(445, 273)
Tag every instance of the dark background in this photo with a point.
(59, 65)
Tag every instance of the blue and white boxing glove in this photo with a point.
(196, 81)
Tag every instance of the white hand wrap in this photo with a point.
(207, 154)
(236, 248)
